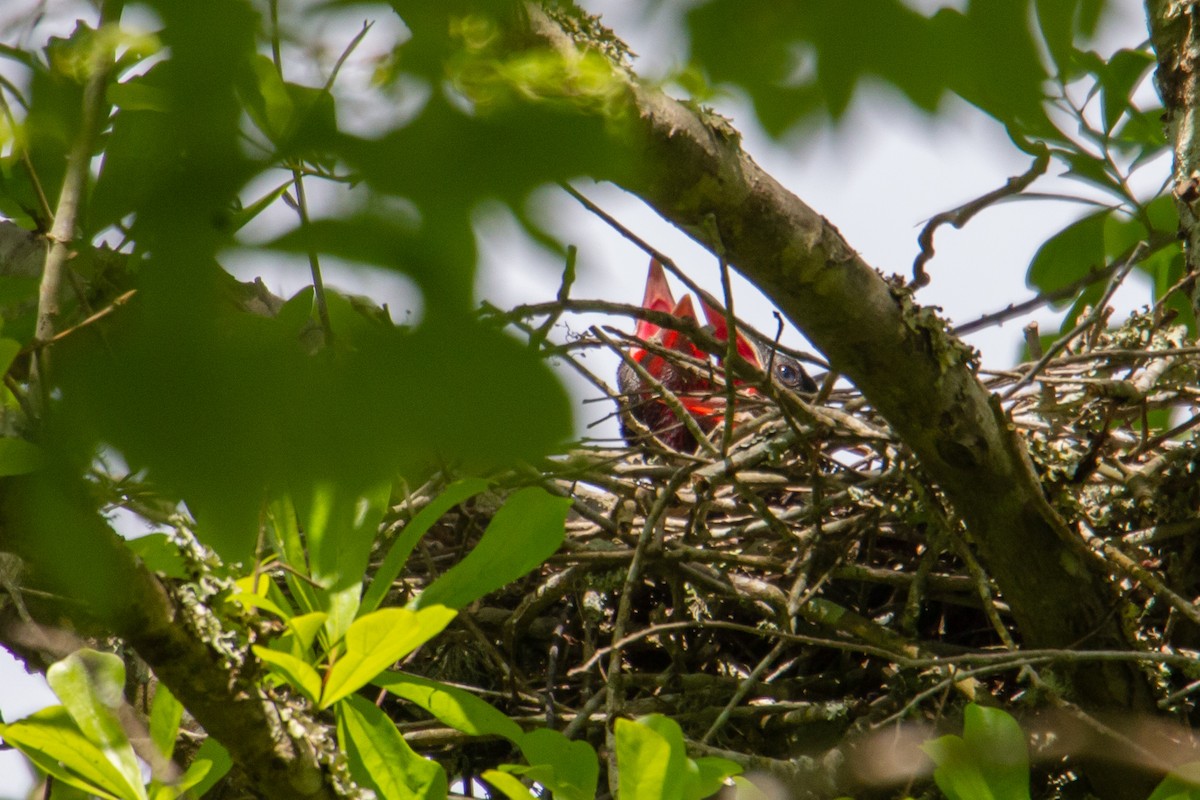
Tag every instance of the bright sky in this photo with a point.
(878, 176)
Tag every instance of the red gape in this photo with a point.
(694, 391)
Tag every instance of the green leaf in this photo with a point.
(1091, 169)
(296, 671)
(159, 554)
(340, 526)
(1163, 214)
(18, 457)
(650, 764)
(523, 533)
(745, 790)
(376, 641)
(9, 348)
(1120, 76)
(990, 761)
(379, 757)
(957, 775)
(1181, 783)
(710, 775)
(53, 742)
(290, 544)
(507, 785)
(208, 766)
(268, 103)
(398, 554)
(90, 685)
(1069, 254)
(454, 707)
(304, 629)
(568, 768)
(1121, 235)
(165, 715)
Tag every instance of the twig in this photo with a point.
(625, 606)
(66, 215)
(1091, 319)
(962, 215)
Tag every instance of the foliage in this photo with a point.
(334, 494)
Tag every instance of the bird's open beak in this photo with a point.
(718, 322)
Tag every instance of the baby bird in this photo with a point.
(704, 402)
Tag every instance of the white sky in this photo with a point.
(878, 176)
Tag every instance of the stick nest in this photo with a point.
(806, 588)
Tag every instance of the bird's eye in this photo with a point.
(787, 374)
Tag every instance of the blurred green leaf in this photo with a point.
(524, 532)
(1062, 24)
(1121, 234)
(53, 742)
(165, 715)
(291, 116)
(172, 393)
(1122, 73)
(91, 686)
(18, 457)
(1181, 783)
(378, 640)
(568, 768)
(990, 761)
(745, 790)
(379, 757)
(208, 766)
(159, 554)
(794, 60)
(1070, 254)
(339, 528)
(1091, 169)
(9, 348)
(139, 150)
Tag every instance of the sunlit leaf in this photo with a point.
(376, 641)
(339, 527)
(381, 760)
(53, 742)
(91, 686)
(293, 669)
(523, 533)
(569, 768)
(990, 759)
(506, 784)
(650, 764)
(454, 707)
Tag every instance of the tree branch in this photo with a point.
(69, 550)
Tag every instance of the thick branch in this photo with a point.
(902, 357)
(69, 550)
(1175, 34)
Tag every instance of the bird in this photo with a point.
(695, 391)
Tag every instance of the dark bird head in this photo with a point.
(695, 391)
